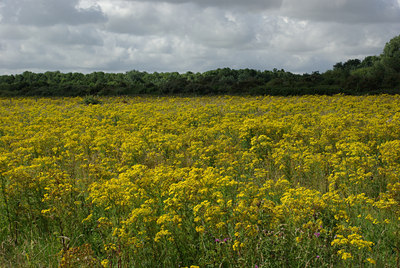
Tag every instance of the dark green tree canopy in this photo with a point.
(373, 74)
(391, 54)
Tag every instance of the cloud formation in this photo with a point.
(191, 35)
(49, 12)
(225, 4)
(344, 11)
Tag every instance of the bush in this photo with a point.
(91, 100)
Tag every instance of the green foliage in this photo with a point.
(373, 74)
(391, 54)
(91, 100)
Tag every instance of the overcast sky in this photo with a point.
(191, 35)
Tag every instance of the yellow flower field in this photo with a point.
(200, 182)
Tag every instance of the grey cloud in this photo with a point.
(344, 11)
(144, 18)
(49, 12)
(67, 35)
(305, 46)
(215, 28)
(178, 35)
(33, 55)
(18, 57)
(15, 32)
(61, 35)
(226, 4)
(211, 27)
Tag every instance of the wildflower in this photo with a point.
(105, 263)
(200, 229)
(236, 245)
(346, 256)
(145, 179)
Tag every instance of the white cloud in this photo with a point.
(177, 35)
(142, 18)
(215, 28)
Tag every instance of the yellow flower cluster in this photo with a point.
(211, 181)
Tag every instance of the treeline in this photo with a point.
(373, 74)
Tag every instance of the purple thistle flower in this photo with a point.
(317, 234)
(217, 240)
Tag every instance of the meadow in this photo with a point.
(311, 181)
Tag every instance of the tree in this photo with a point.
(391, 54)
(369, 61)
